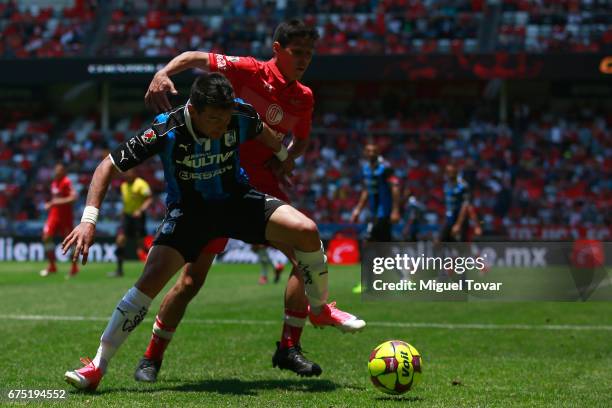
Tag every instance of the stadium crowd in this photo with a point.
(28, 31)
(546, 167)
(167, 27)
(360, 27)
(556, 26)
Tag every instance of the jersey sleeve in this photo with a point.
(138, 149)
(249, 120)
(144, 188)
(390, 176)
(234, 68)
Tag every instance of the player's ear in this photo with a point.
(192, 110)
(276, 47)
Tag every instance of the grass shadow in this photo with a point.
(401, 398)
(233, 386)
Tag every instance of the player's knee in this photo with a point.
(307, 235)
(190, 284)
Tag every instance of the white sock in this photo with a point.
(313, 266)
(128, 314)
(264, 260)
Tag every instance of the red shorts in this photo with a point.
(56, 226)
(264, 181)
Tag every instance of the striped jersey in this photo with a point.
(378, 180)
(455, 194)
(196, 167)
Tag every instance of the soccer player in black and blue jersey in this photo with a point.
(458, 209)
(381, 192)
(208, 196)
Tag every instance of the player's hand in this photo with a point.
(48, 205)
(395, 217)
(82, 237)
(137, 214)
(156, 98)
(477, 231)
(456, 229)
(354, 216)
(288, 166)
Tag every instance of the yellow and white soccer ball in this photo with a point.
(395, 367)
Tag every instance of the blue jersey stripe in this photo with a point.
(379, 190)
(172, 187)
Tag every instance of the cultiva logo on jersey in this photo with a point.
(149, 136)
(195, 161)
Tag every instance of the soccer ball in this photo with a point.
(395, 367)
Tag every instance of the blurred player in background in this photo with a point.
(266, 264)
(59, 220)
(381, 192)
(414, 216)
(136, 197)
(458, 208)
(458, 212)
(284, 104)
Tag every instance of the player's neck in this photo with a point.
(286, 77)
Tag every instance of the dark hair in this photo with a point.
(293, 29)
(211, 89)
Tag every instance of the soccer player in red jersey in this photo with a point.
(59, 220)
(286, 105)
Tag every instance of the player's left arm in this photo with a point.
(463, 212)
(271, 138)
(70, 198)
(396, 198)
(395, 205)
(301, 140)
(260, 131)
(475, 221)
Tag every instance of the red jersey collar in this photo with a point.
(277, 74)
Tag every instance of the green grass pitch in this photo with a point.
(475, 354)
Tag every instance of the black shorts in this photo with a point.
(447, 235)
(134, 227)
(242, 217)
(379, 230)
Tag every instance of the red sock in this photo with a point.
(160, 339)
(292, 328)
(51, 258)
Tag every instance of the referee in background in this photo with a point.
(136, 197)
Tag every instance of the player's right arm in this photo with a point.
(362, 202)
(82, 236)
(126, 156)
(156, 97)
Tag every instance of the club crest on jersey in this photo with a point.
(230, 138)
(221, 64)
(274, 114)
(149, 136)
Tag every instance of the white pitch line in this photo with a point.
(424, 325)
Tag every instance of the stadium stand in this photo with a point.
(556, 26)
(556, 170)
(45, 29)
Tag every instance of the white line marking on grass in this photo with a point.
(424, 325)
